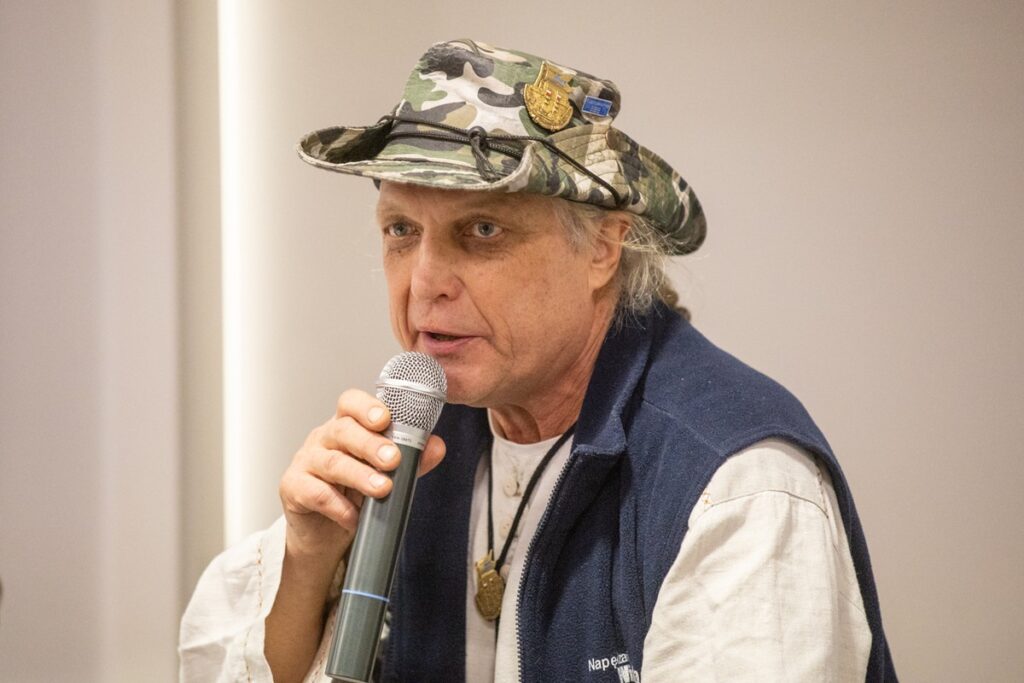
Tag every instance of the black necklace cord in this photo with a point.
(481, 141)
(534, 479)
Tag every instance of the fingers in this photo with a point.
(363, 408)
(337, 468)
(344, 460)
(347, 435)
(305, 495)
(317, 485)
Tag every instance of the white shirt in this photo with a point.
(763, 587)
(513, 465)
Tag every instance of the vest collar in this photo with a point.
(618, 369)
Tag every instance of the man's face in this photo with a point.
(489, 285)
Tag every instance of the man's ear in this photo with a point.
(607, 249)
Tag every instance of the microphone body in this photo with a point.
(412, 386)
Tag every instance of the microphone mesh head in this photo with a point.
(413, 386)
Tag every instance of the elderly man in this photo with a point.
(656, 510)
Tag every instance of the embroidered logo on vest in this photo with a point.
(620, 662)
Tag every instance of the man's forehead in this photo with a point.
(406, 197)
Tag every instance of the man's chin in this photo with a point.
(461, 397)
(462, 390)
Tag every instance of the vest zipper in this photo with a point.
(555, 491)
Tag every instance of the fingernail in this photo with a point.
(375, 414)
(377, 480)
(387, 453)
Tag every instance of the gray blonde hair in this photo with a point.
(641, 275)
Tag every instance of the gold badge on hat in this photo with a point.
(547, 100)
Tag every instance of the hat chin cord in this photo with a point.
(483, 142)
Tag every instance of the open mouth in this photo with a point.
(442, 337)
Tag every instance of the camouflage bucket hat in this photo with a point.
(477, 117)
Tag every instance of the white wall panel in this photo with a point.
(89, 509)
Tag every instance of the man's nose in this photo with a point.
(434, 274)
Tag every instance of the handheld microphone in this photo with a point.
(412, 386)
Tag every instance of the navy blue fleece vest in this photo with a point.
(664, 409)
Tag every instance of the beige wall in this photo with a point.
(89, 452)
(859, 165)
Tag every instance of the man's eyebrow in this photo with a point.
(389, 211)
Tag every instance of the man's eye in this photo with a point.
(397, 230)
(485, 229)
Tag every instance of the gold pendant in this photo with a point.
(547, 100)
(490, 587)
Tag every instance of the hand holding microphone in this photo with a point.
(413, 387)
(321, 493)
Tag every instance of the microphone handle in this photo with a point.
(371, 565)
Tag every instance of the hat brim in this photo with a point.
(646, 184)
(358, 151)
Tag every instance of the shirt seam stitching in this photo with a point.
(742, 496)
(259, 609)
